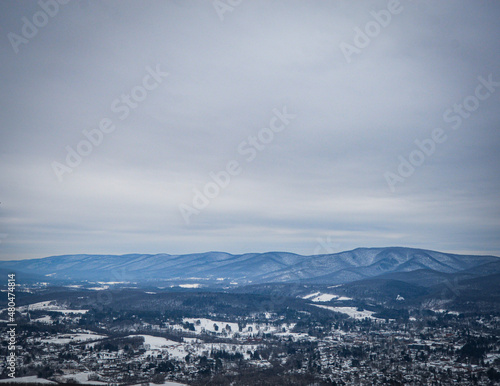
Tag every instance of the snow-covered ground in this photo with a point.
(491, 357)
(321, 297)
(68, 338)
(441, 311)
(194, 285)
(191, 340)
(296, 336)
(49, 305)
(71, 311)
(82, 378)
(27, 380)
(44, 319)
(156, 345)
(104, 287)
(204, 325)
(209, 325)
(351, 311)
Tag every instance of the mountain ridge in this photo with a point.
(268, 267)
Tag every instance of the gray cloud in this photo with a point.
(321, 177)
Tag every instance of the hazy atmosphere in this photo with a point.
(248, 126)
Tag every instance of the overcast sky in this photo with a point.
(347, 107)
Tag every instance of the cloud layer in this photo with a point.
(318, 185)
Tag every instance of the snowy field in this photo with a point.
(190, 285)
(203, 325)
(178, 350)
(441, 311)
(104, 287)
(44, 319)
(49, 305)
(321, 297)
(81, 378)
(69, 338)
(156, 343)
(27, 380)
(297, 336)
(351, 311)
